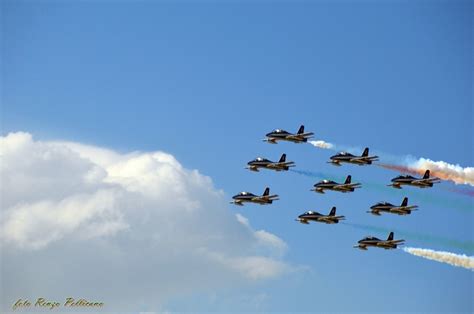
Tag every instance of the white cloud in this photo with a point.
(265, 239)
(122, 228)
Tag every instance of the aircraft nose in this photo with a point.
(268, 134)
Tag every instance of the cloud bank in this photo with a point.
(135, 228)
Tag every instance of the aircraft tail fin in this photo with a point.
(390, 236)
(266, 192)
(283, 158)
(333, 211)
(405, 201)
(301, 129)
(366, 152)
(427, 174)
(348, 179)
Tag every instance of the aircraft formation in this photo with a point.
(321, 187)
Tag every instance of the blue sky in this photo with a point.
(205, 81)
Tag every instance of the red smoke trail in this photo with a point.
(403, 169)
(468, 192)
(441, 175)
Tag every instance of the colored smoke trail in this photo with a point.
(382, 188)
(443, 257)
(468, 192)
(318, 175)
(440, 169)
(402, 169)
(431, 239)
(411, 165)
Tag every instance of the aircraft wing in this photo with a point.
(426, 181)
(300, 136)
(362, 160)
(237, 202)
(343, 187)
(265, 198)
(433, 180)
(330, 219)
(403, 209)
(325, 218)
(392, 242)
(385, 243)
(281, 164)
(359, 160)
(420, 182)
(400, 211)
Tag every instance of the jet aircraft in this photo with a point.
(315, 216)
(425, 182)
(281, 165)
(248, 197)
(384, 207)
(345, 187)
(346, 157)
(388, 244)
(282, 135)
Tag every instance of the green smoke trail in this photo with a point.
(426, 238)
(318, 175)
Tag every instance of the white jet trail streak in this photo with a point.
(443, 257)
(322, 144)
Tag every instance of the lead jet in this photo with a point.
(388, 244)
(384, 207)
(345, 187)
(281, 165)
(425, 182)
(346, 157)
(282, 135)
(315, 216)
(248, 197)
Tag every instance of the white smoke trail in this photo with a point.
(443, 257)
(322, 144)
(445, 171)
